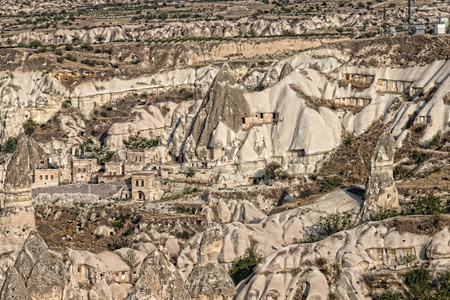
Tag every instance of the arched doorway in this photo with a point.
(141, 196)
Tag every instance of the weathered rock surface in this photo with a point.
(36, 274)
(158, 279)
(367, 249)
(224, 102)
(210, 282)
(381, 192)
(226, 243)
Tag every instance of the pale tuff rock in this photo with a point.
(381, 192)
(14, 287)
(159, 280)
(210, 282)
(25, 159)
(238, 211)
(226, 243)
(224, 102)
(370, 247)
(287, 69)
(36, 274)
(211, 244)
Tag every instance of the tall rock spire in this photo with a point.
(381, 192)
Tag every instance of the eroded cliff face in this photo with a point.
(372, 248)
(223, 103)
(303, 105)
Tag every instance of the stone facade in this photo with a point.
(114, 169)
(144, 187)
(46, 177)
(259, 118)
(84, 170)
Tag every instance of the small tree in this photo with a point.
(100, 38)
(29, 126)
(435, 141)
(243, 267)
(418, 156)
(35, 44)
(330, 182)
(10, 145)
(131, 261)
(427, 205)
(137, 142)
(274, 171)
(334, 223)
(252, 33)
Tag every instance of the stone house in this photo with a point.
(119, 271)
(144, 187)
(114, 169)
(86, 266)
(84, 170)
(259, 119)
(46, 177)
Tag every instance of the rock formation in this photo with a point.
(159, 280)
(36, 274)
(19, 175)
(210, 282)
(223, 103)
(371, 248)
(381, 192)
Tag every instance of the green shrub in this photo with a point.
(385, 213)
(274, 171)
(427, 205)
(418, 156)
(320, 261)
(186, 210)
(10, 145)
(330, 182)
(29, 126)
(348, 140)
(100, 38)
(68, 47)
(334, 223)
(191, 172)
(137, 142)
(71, 57)
(131, 260)
(243, 267)
(35, 44)
(66, 104)
(435, 141)
(419, 282)
(87, 46)
(252, 33)
(183, 235)
(419, 128)
(58, 52)
(88, 62)
(389, 295)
